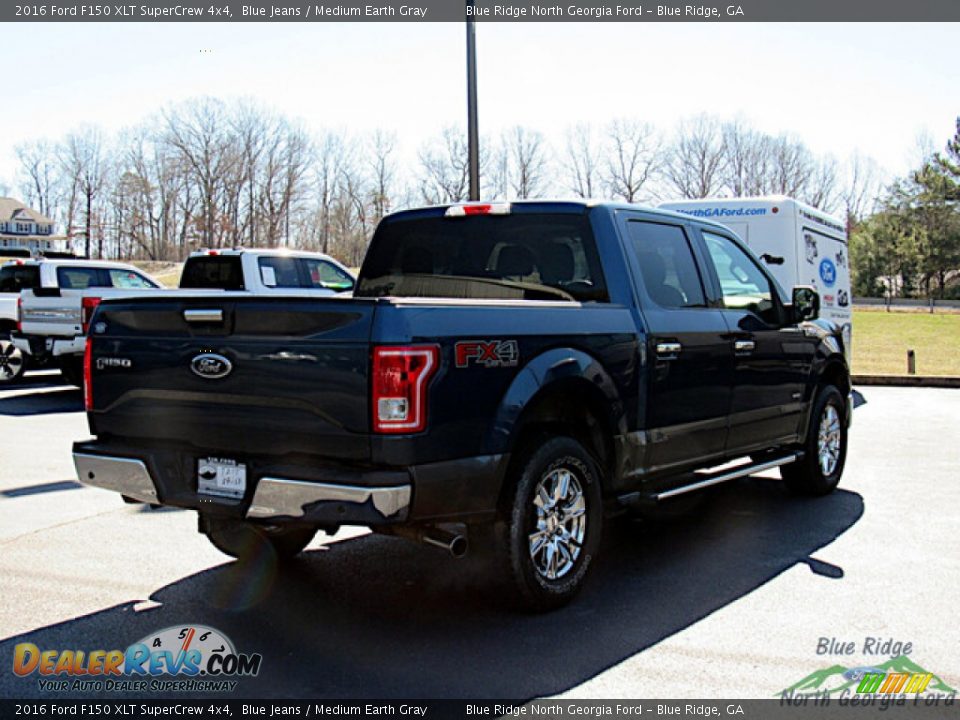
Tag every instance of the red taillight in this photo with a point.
(19, 314)
(399, 387)
(88, 375)
(88, 305)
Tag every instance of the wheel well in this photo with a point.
(836, 374)
(7, 325)
(575, 408)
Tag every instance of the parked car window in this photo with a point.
(15, 278)
(743, 284)
(522, 256)
(323, 274)
(213, 272)
(78, 278)
(667, 265)
(279, 272)
(121, 278)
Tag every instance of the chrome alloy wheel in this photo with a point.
(828, 440)
(561, 523)
(11, 361)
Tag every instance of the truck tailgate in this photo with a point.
(57, 313)
(240, 375)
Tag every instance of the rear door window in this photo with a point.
(279, 272)
(667, 265)
(79, 278)
(213, 272)
(15, 278)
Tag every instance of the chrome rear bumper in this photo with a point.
(283, 497)
(123, 475)
(274, 497)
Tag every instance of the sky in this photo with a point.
(872, 87)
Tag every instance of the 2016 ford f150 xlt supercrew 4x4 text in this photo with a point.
(506, 375)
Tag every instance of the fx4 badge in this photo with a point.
(488, 353)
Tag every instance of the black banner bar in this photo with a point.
(483, 11)
(813, 707)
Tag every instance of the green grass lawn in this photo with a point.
(881, 340)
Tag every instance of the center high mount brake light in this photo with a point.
(502, 208)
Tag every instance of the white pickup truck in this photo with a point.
(263, 272)
(54, 314)
(15, 276)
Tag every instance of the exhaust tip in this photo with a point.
(458, 546)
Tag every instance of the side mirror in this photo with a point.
(806, 303)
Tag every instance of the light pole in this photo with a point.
(473, 135)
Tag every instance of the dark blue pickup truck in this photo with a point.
(505, 374)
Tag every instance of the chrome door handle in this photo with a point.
(744, 345)
(205, 315)
(669, 348)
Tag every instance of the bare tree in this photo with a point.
(39, 166)
(196, 131)
(634, 157)
(792, 166)
(862, 189)
(444, 168)
(747, 170)
(381, 148)
(84, 163)
(697, 158)
(582, 162)
(527, 156)
(823, 185)
(332, 162)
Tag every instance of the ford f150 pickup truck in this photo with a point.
(504, 377)
(53, 314)
(266, 271)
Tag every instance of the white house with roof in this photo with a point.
(22, 228)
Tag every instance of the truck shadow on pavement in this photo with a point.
(45, 402)
(378, 617)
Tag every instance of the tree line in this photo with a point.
(910, 247)
(213, 173)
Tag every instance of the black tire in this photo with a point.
(245, 540)
(816, 475)
(527, 572)
(12, 361)
(72, 370)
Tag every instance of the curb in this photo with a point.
(943, 381)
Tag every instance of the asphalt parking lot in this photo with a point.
(729, 603)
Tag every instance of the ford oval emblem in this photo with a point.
(211, 366)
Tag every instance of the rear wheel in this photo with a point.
(12, 362)
(825, 450)
(245, 540)
(551, 532)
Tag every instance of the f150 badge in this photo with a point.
(488, 353)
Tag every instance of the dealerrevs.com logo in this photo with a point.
(181, 658)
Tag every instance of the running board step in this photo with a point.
(705, 480)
